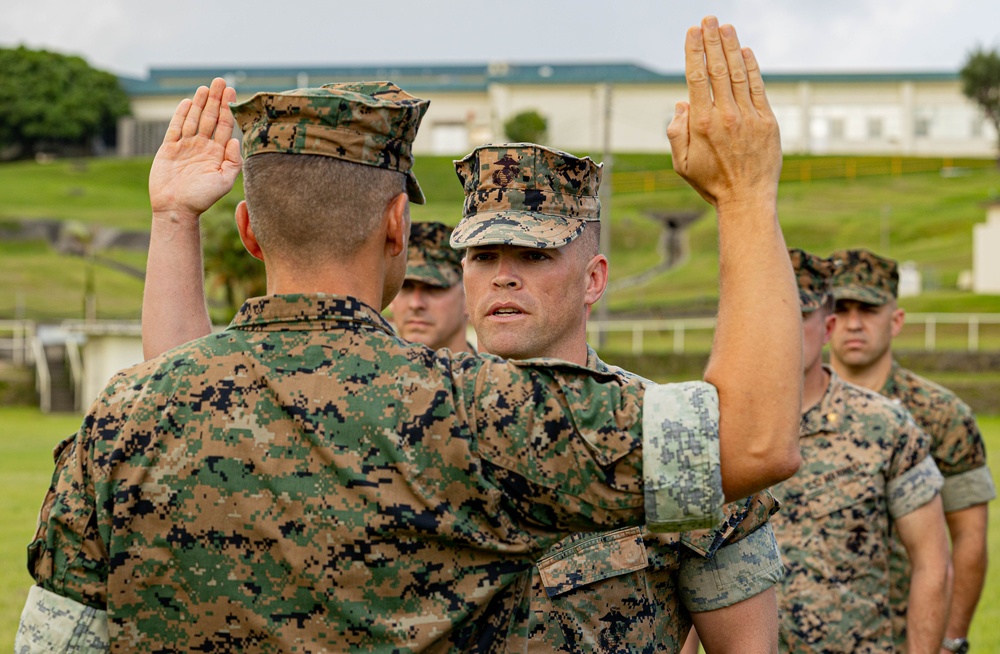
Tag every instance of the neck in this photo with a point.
(356, 281)
(872, 377)
(814, 384)
(458, 342)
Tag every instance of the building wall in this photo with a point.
(902, 117)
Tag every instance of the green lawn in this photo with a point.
(27, 439)
(924, 217)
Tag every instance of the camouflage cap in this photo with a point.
(527, 195)
(431, 260)
(864, 276)
(369, 123)
(813, 276)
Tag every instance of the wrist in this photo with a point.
(175, 217)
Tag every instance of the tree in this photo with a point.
(56, 101)
(526, 127)
(981, 83)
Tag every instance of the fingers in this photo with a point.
(174, 128)
(755, 83)
(210, 114)
(190, 126)
(699, 91)
(737, 67)
(679, 135)
(716, 63)
(225, 121)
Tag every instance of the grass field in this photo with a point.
(27, 438)
(923, 217)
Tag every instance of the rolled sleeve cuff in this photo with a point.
(52, 623)
(681, 472)
(737, 572)
(968, 489)
(914, 488)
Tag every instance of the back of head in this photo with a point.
(864, 276)
(526, 195)
(321, 164)
(812, 273)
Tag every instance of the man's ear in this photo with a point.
(597, 279)
(246, 231)
(397, 221)
(898, 319)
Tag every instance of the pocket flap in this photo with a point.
(593, 558)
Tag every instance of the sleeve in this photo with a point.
(738, 571)
(52, 623)
(67, 555)
(913, 479)
(582, 450)
(960, 454)
(742, 518)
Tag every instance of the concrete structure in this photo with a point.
(986, 252)
(103, 348)
(912, 113)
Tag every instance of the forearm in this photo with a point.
(927, 607)
(756, 361)
(969, 561)
(755, 620)
(173, 300)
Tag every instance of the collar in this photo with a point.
(827, 414)
(891, 387)
(314, 311)
(594, 362)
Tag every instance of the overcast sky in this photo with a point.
(130, 36)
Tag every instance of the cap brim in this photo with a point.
(413, 190)
(520, 228)
(862, 294)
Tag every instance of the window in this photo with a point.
(874, 128)
(922, 126)
(836, 128)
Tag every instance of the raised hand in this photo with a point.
(725, 141)
(198, 160)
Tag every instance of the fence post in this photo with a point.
(930, 329)
(678, 337)
(636, 338)
(974, 334)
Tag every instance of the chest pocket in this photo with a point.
(847, 488)
(593, 558)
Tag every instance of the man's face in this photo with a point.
(427, 314)
(863, 332)
(529, 302)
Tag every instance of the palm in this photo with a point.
(198, 161)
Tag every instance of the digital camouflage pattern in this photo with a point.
(430, 258)
(812, 274)
(959, 452)
(306, 480)
(51, 623)
(629, 590)
(527, 195)
(369, 123)
(865, 463)
(864, 276)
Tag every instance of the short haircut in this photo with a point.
(590, 240)
(313, 207)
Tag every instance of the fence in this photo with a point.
(16, 341)
(807, 170)
(921, 330)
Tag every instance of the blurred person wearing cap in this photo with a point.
(865, 286)
(420, 539)
(866, 468)
(530, 233)
(430, 306)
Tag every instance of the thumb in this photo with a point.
(679, 134)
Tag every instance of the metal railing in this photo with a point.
(678, 330)
(15, 338)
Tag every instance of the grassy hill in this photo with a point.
(926, 217)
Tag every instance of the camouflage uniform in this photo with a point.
(956, 443)
(865, 463)
(626, 590)
(306, 481)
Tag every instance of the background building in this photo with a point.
(909, 113)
